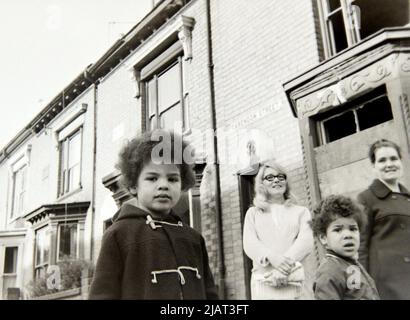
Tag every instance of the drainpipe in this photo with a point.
(218, 207)
(88, 77)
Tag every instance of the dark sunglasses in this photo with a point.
(271, 177)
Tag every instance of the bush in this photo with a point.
(71, 274)
(38, 288)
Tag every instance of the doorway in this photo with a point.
(246, 183)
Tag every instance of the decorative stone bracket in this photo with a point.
(136, 77)
(185, 35)
(181, 26)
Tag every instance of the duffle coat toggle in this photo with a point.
(152, 222)
(178, 271)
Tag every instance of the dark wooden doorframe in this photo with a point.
(246, 182)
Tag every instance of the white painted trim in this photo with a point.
(181, 24)
(191, 209)
(71, 123)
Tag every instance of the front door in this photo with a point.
(246, 183)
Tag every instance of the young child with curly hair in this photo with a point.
(148, 252)
(337, 222)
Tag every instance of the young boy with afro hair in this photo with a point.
(337, 223)
(148, 252)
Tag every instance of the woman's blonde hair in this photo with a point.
(261, 200)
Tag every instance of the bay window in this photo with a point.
(42, 252)
(346, 22)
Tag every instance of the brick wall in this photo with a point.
(257, 46)
(118, 119)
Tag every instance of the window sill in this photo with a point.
(71, 259)
(70, 193)
(9, 275)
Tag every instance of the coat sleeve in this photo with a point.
(304, 243)
(106, 282)
(365, 232)
(326, 288)
(210, 288)
(330, 284)
(252, 245)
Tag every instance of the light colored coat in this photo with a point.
(281, 231)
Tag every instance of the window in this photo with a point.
(10, 269)
(165, 102)
(19, 190)
(59, 233)
(188, 207)
(165, 98)
(42, 254)
(10, 261)
(68, 241)
(369, 111)
(182, 209)
(345, 22)
(70, 162)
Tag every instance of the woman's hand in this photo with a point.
(282, 264)
(276, 279)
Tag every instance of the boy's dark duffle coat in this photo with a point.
(385, 242)
(340, 278)
(145, 258)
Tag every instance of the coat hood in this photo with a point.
(128, 211)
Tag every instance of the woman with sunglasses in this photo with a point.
(385, 242)
(276, 236)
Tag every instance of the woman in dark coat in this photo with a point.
(385, 242)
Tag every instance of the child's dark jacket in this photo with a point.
(343, 279)
(159, 260)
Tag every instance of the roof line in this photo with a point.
(93, 72)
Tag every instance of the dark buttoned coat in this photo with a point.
(385, 241)
(142, 258)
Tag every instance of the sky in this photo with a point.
(45, 44)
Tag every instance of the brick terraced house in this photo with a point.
(301, 81)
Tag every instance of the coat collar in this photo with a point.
(331, 253)
(381, 191)
(128, 211)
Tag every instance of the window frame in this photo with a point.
(22, 168)
(43, 264)
(10, 280)
(350, 24)
(50, 217)
(64, 187)
(4, 273)
(353, 106)
(77, 253)
(152, 71)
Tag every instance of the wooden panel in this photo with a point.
(348, 180)
(352, 148)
